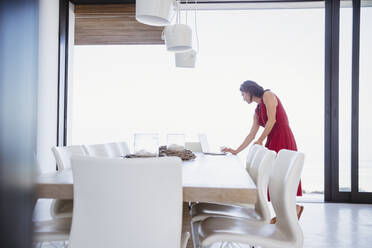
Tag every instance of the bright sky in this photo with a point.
(122, 90)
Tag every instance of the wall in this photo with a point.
(48, 84)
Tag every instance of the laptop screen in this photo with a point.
(204, 142)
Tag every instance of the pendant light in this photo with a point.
(177, 37)
(188, 59)
(154, 12)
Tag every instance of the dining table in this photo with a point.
(207, 178)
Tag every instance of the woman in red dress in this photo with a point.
(271, 115)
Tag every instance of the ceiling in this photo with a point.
(101, 1)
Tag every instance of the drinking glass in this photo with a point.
(176, 142)
(146, 144)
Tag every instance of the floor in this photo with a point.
(324, 224)
(337, 225)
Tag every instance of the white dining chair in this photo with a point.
(260, 167)
(62, 155)
(286, 233)
(46, 229)
(133, 203)
(124, 149)
(97, 150)
(114, 150)
(250, 156)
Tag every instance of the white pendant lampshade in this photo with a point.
(154, 12)
(178, 38)
(186, 59)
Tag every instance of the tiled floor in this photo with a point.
(325, 225)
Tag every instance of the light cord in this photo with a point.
(196, 28)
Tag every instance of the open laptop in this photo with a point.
(205, 146)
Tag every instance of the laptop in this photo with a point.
(205, 146)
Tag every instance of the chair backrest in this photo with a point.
(114, 150)
(98, 150)
(124, 149)
(126, 202)
(193, 146)
(250, 156)
(63, 155)
(262, 169)
(283, 186)
(258, 157)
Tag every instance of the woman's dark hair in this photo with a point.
(253, 88)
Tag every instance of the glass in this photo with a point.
(345, 50)
(176, 142)
(146, 144)
(365, 103)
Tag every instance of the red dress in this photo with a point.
(281, 136)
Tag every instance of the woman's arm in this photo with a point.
(270, 102)
(248, 139)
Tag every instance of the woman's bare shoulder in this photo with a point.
(268, 95)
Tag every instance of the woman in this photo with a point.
(269, 114)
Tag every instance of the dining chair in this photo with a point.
(286, 233)
(62, 155)
(46, 229)
(97, 150)
(135, 202)
(250, 156)
(260, 166)
(114, 149)
(124, 149)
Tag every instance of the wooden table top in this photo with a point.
(208, 178)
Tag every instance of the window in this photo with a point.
(365, 105)
(120, 90)
(345, 53)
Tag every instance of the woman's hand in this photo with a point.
(226, 149)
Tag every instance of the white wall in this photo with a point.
(48, 83)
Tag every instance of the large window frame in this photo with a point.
(331, 170)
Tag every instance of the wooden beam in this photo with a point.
(112, 24)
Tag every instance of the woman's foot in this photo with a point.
(299, 210)
(273, 220)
